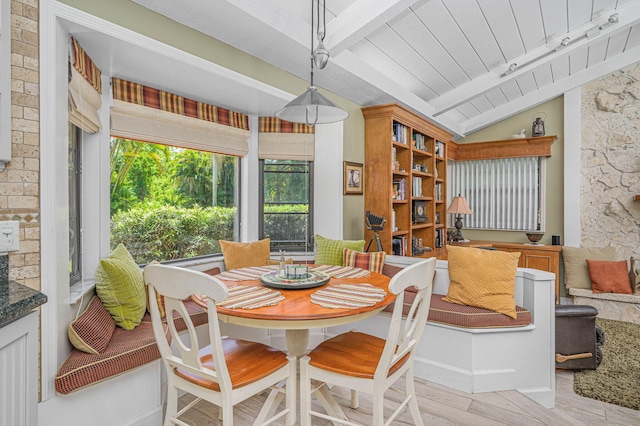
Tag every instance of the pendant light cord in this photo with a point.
(315, 120)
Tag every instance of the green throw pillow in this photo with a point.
(120, 287)
(329, 252)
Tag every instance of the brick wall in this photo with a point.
(20, 181)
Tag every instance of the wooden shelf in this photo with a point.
(386, 126)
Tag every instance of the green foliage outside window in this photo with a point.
(170, 203)
(170, 232)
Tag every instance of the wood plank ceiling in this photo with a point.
(465, 64)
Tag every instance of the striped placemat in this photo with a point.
(348, 296)
(251, 297)
(342, 271)
(242, 274)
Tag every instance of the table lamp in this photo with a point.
(459, 207)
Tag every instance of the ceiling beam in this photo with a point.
(628, 16)
(359, 20)
(354, 65)
(551, 91)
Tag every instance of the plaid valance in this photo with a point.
(275, 125)
(85, 66)
(138, 94)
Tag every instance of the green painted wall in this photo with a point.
(554, 125)
(144, 21)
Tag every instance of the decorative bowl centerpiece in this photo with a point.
(534, 237)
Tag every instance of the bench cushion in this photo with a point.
(457, 315)
(127, 350)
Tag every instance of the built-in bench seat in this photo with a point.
(447, 313)
(127, 350)
(462, 349)
(613, 306)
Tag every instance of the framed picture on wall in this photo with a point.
(353, 178)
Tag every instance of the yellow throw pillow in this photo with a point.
(482, 278)
(243, 255)
(120, 287)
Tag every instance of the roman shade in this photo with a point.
(85, 88)
(284, 140)
(152, 115)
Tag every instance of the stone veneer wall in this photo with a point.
(610, 162)
(20, 181)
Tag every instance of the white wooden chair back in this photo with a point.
(177, 284)
(403, 336)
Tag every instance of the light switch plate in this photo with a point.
(9, 236)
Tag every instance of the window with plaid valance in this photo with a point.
(152, 115)
(85, 88)
(284, 140)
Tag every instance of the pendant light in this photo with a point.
(311, 107)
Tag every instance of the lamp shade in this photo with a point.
(459, 206)
(311, 108)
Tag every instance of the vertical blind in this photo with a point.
(504, 194)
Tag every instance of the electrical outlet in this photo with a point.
(9, 236)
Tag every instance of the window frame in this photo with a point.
(75, 203)
(237, 198)
(306, 246)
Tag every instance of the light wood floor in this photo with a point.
(440, 405)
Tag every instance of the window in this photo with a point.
(75, 224)
(170, 203)
(504, 194)
(286, 204)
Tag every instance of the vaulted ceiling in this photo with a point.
(465, 64)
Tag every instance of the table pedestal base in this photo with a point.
(297, 342)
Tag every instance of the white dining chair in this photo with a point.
(365, 363)
(225, 372)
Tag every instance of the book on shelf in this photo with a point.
(399, 245)
(440, 241)
(416, 187)
(394, 160)
(418, 141)
(439, 149)
(399, 132)
(399, 189)
(394, 228)
(438, 190)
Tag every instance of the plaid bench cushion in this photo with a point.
(127, 350)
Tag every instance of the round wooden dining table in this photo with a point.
(296, 314)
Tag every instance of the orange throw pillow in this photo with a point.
(609, 277)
